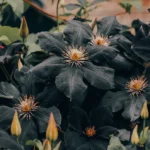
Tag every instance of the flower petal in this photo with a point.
(142, 48)
(78, 119)
(106, 132)
(98, 119)
(73, 140)
(101, 53)
(7, 142)
(8, 91)
(108, 26)
(100, 77)
(77, 33)
(29, 131)
(49, 67)
(70, 82)
(115, 100)
(6, 116)
(29, 83)
(133, 107)
(51, 42)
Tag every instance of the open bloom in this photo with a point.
(131, 98)
(27, 98)
(92, 131)
(71, 66)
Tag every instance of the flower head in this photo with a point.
(100, 40)
(144, 111)
(136, 85)
(90, 131)
(75, 56)
(26, 106)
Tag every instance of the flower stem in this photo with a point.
(134, 147)
(17, 139)
(144, 123)
(57, 14)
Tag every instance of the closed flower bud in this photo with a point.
(144, 136)
(144, 111)
(19, 65)
(15, 125)
(135, 137)
(24, 31)
(46, 145)
(52, 132)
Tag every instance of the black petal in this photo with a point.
(29, 131)
(78, 119)
(142, 49)
(77, 33)
(100, 77)
(115, 100)
(70, 82)
(101, 116)
(101, 53)
(133, 107)
(106, 132)
(51, 43)
(49, 67)
(42, 115)
(98, 144)
(6, 116)
(73, 140)
(108, 26)
(7, 90)
(29, 83)
(7, 142)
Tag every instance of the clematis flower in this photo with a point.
(71, 67)
(89, 132)
(131, 98)
(99, 46)
(27, 99)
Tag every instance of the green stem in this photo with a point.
(144, 123)
(17, 139)
(135, 147)
(57, 14)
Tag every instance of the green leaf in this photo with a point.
(72, 6)
(37, 143)
(57, 146)
(11, 33)
(17, 5)
(4, 39)
(31, 42)
(126, 6)
(115, 144)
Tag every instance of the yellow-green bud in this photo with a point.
(52, 131)
(135, 138)
(23, 31)
(144, 136)
(15, 125)
(144, 111)
(46, 145)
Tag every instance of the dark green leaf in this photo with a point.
(82, 2)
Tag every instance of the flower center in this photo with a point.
(90, 131)
(100, 40)
(26, 106)
(136, 85)
(75, 56)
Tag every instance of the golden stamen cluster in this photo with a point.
(26, 106)
(75, 56)
(100, 40)
(90, 131)
(136, 85)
